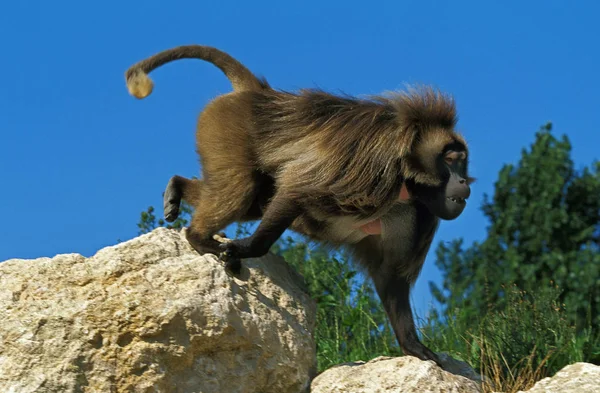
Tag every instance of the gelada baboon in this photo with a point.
(375, 175)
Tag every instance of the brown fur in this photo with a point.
(322, 165)
(352, 151)
(140, 86)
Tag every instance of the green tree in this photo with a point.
(148, 220)
(544, 227)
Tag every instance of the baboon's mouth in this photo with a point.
(457, 200)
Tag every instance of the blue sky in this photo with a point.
(80, 158)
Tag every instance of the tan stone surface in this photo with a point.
(151, 315)
(575, 378)
(406, 374)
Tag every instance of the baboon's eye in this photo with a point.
(452, 157)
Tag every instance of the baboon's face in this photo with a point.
(446, 199)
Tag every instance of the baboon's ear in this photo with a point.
(471, 180)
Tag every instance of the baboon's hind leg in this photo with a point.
(222, 202)
(180, 188)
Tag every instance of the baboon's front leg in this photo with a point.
(279, 215)
(394, 292)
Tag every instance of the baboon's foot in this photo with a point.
(216, 247)
(415, 348)
(201, 244)
(171, 200)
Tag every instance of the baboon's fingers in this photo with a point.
(229, 255)
(417, 349)
(171, 211)
(239, 248)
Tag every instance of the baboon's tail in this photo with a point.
(140, 85)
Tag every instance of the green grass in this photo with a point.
(351, 323)
(514, 348)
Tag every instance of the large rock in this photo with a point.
(575, 378)
(151, 315)
(406, 374)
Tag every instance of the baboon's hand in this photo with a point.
(232, 253)
(227, 255)
(244, 248)
(238, 249)
(171, 212)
